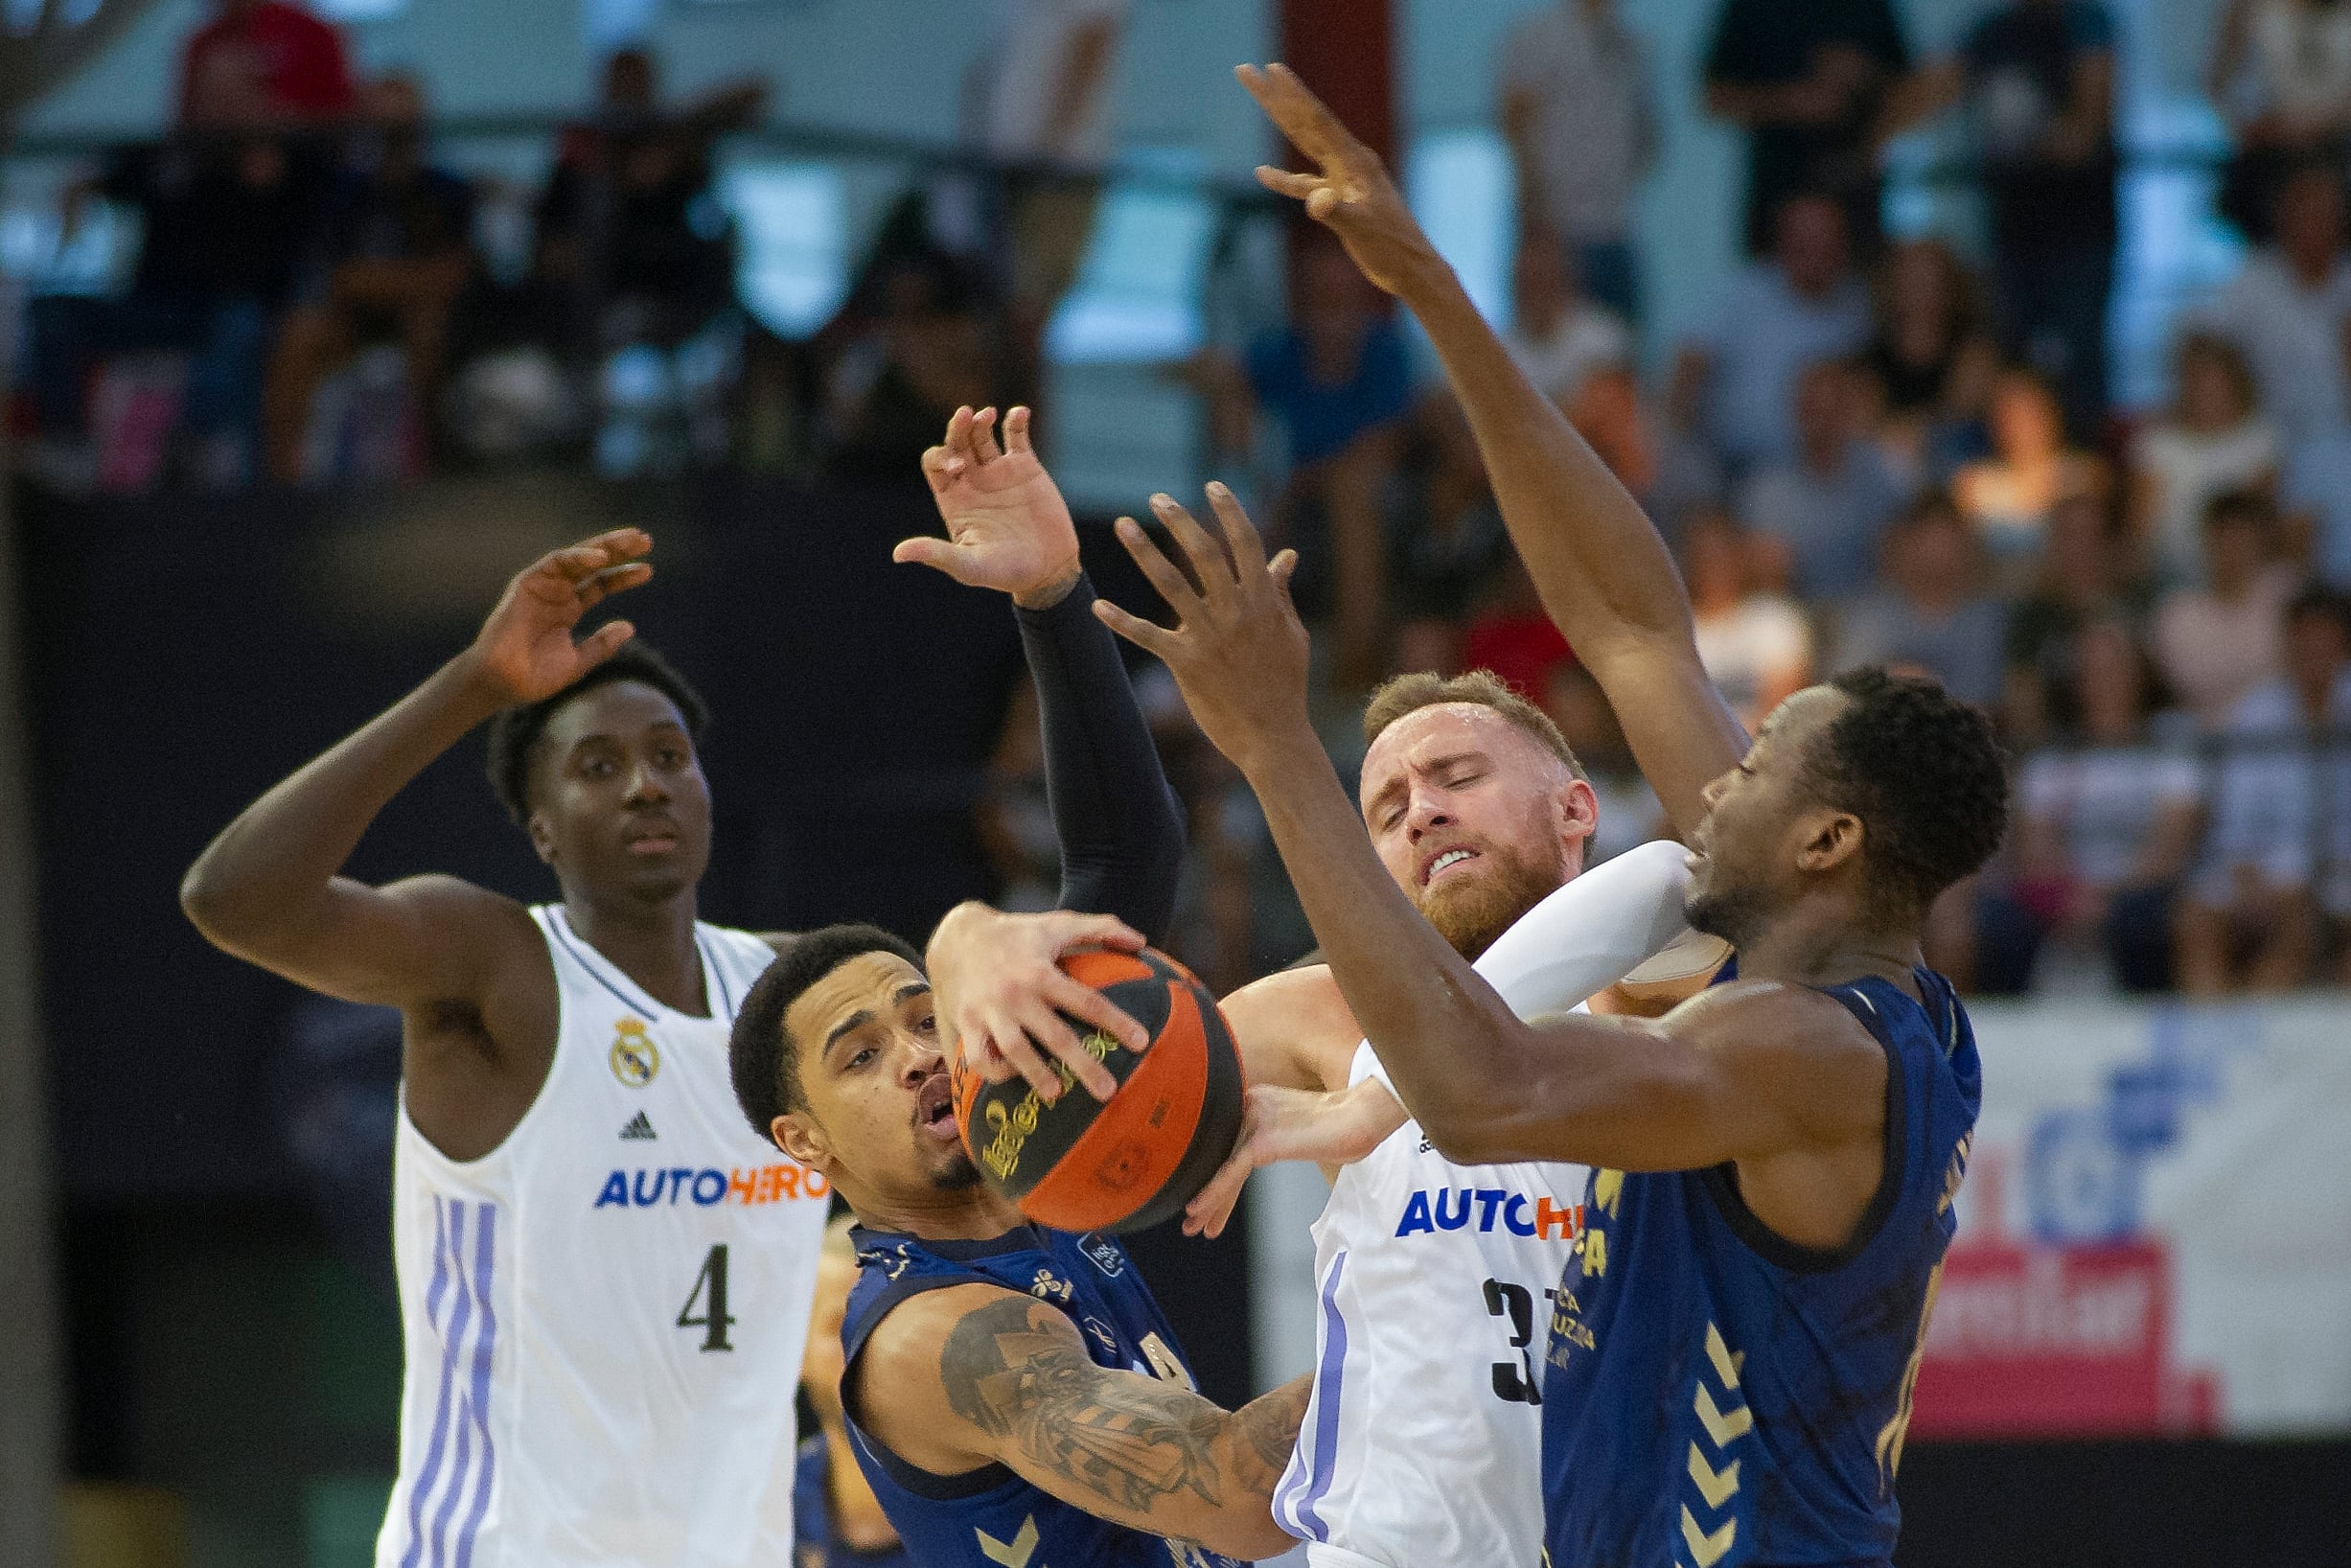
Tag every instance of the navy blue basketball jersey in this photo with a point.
(990, 1517)
(1718, 1397)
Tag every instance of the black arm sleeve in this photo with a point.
(1121, 836)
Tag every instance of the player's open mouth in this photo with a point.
(1446, 862)
(934, 1111)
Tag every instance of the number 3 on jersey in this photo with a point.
(1515, 1382)
(710, 1297)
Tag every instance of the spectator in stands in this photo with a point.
(1630, 813)
(1931, 354)
(2281, 73)
(1755, 644)
(2219, 640)
(1575, 113)
(2106, 826)
(629, 224)
(222, 225)
(917, 349)
(1814, 87)
(2041, 84)
(2007, 497)
(393, 251)
(1451, 544)
(1928, 610)
(263, 64)
(2284, 309)
(1047, 102)
(2210, 440)
(1560, 338)
(2083, 580)
(1735, 380)
(2279, 854)
(1339, 382)
(2314, 493)
(1514, 636)
(1829, 505)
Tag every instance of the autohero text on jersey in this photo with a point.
(648, 1187)
(1452, 1207)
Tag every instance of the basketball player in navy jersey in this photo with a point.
(1732, 1355)
(594, 1348)
(1013, 1394)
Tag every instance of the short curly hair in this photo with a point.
(762, 1058)
(514, 734)
(1925, 774)
(1405, 694)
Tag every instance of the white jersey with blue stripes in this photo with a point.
(1422, 1443)
(603, 1316)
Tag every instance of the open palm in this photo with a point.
(526, 646)
(1007, 526)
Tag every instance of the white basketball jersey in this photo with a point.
(604, 1316)
(1422, 1444)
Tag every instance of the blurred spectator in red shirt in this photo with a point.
(263, 63)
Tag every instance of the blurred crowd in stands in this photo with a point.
(1875, 450)
(316, 297)
(1872, 448)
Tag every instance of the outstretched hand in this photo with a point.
(1348, 191)
(1007, 526)
(1328, 1127)
(524, 651)
(1237, 650)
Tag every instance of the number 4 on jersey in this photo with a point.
(710, 1296)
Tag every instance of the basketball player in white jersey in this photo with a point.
(1424, 1443)
(605, 1276)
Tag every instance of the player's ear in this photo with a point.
(801, 1140)
(543, 837)
(1829, 838)
(1578, 810)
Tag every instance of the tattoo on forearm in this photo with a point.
(1268, 1428)
(1126, 1439)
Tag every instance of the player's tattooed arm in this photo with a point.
(1127, 1447)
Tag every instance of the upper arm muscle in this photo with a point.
(410, 943)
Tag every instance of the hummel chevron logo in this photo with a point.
(1015, 1553)
(1724, 1428)
(638, 1127)
(1705, 1549)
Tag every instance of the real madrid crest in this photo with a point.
(635, 1058)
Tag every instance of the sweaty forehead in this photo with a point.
(619, 708)
(867, 983)
(1444, 729)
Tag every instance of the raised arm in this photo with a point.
(1746, 1072)
(973, 1374)
(1121, 836)
(1605, 574)
(268, 890)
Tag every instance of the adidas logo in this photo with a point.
(638, 1127)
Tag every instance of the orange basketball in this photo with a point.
(1085, 1165)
